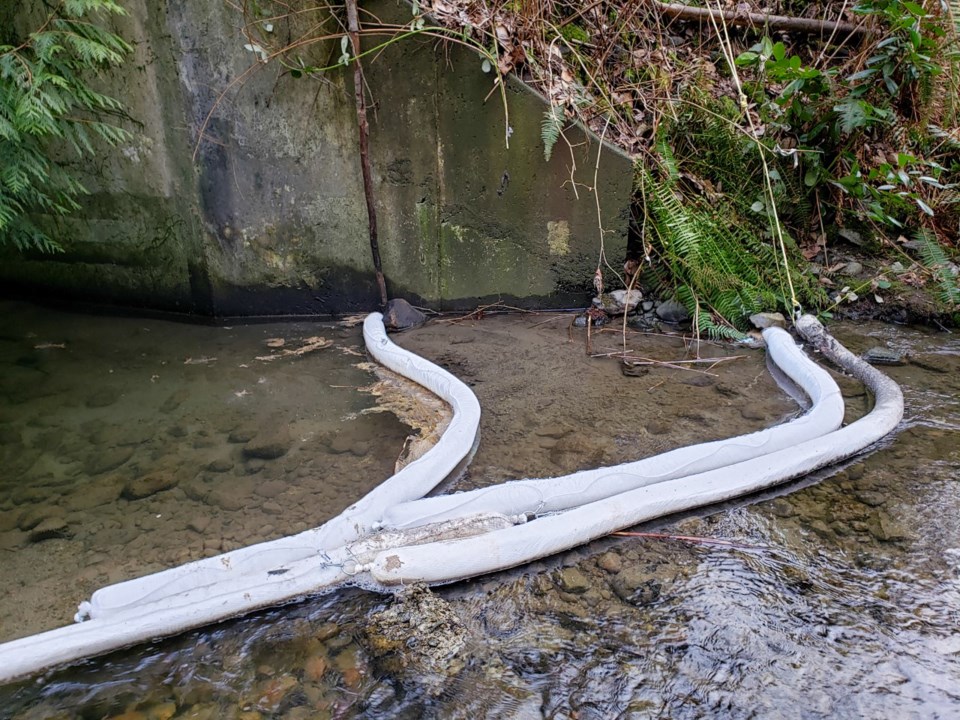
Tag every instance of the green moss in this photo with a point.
(574, 33)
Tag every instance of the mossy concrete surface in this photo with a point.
(240, 190)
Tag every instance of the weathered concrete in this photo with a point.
(269, 218)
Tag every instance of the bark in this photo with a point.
(353, 28)
(753, 20)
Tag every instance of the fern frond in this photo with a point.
(550, 129)
(935, 260)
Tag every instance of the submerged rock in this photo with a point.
(884, 356)
(149, 485)
(268, 446)
(53, 527)
(401, 315)
(418, 630)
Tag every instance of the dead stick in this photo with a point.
(687, 538)
(353, 27)
(774, 22)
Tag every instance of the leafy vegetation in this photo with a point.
(757, 147)
(777, 143)
(48, 101)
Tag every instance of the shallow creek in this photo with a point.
(128, 445)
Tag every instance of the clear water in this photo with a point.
(840, 598)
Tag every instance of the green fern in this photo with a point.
(936, 261)
(46, 99)
(550, 129)
(713, 248)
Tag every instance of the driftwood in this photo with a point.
(754, 20)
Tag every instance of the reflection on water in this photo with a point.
(839, 599)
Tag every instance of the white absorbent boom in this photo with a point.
(396, 536)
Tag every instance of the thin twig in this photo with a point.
(689, 538)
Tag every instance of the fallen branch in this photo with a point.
(353, 30)
(761, 20)
(688, 538)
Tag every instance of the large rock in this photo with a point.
(401, 315)
(149, 485)
(268, 446)
(672, 311)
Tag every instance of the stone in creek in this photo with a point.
(220, 465)
(199, 524)
(36, 515)
(673, 312)
(635, 587)
(103, 398)
(242, 435)
(101, 462)
(315, 668)
(401, 315)
(752, 412)
(884, 356)
(611, 562)
(149, 485)
(572, 580)
(53, 527)
(94, 493)
(618, 302)
(268, 446)
(852, 268)
(766, 320)
(271, 489)
(224, 499)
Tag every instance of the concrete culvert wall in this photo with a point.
(270, 219)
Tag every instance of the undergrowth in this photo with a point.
(858, 128)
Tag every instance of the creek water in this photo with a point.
(129, 445)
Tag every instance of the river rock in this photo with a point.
(635, 587)
(224, 499)
(401, 315)
(101, 491)
(271, 488)
(618, 302)
(752, 412)
(572, 580)
(53, 527)
(611, 562)
(884, 356)
(220, 465)
(34, 516)
(199, 524)
(421, 630)
(762, 321)
(268, 446)
(886, 529)
(107, 460)
(673, 312)
(852, 268)
(149, 485)
(599, 320)
(242, 435)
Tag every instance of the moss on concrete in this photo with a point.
(269, 216)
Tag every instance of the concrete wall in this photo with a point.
(269, 217)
